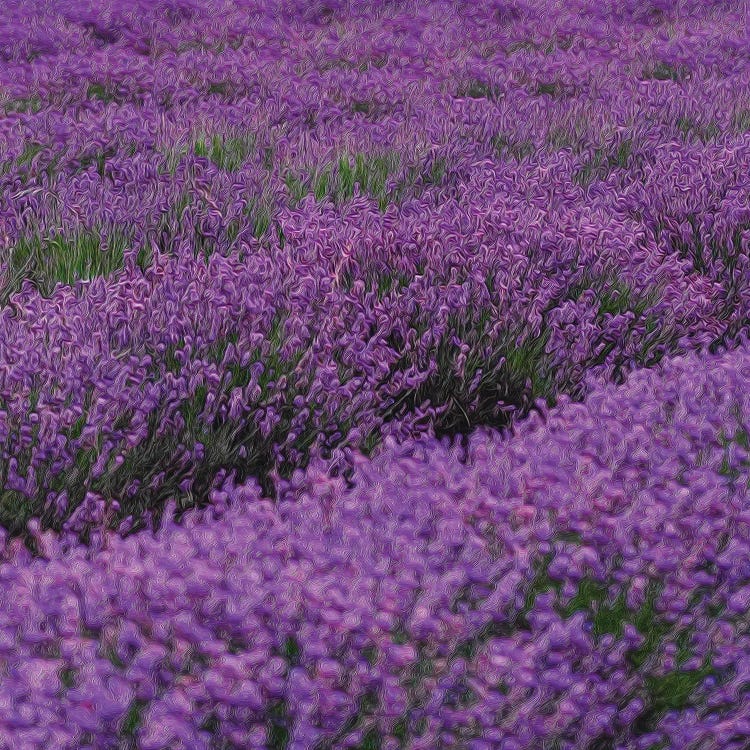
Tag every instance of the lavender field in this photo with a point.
(375, 374)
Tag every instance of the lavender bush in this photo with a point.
(300, 228)
(580, 584)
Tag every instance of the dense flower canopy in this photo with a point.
(375, 374)
(584, 581)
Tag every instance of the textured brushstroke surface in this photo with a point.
(375, 374)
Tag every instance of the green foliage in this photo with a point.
(111, 655)
(656, 339)
(277, 732)
(400, 730)
(74, 432)
(105, 92)
(413, 683)
(261, 221)
(371, 739)
(603, 163)
(211, 724)
(157, 464)
(571, 136)
(522, 44)
(173, 155)
(30, 151)
(50, 168)
(548, 88)
(24, 105)
(664, 71)
(608, 617)
(541, 583)
(14, 505)
(370, 173)
(280, 234)
(49, 260)
(691, 129)
(370, 654)
(98, 157)
(559, 138)
(715, 259)
(232, 230)
(228, 153)
(292, 651)
(220, 88)
(370, 442)
(382, 283)
(67, 678)
(185, 219)
(337, 181)
(514, 373)
(663, 692)
(474, 89)
(741, 120)
(615, 297)
(145, 257)
(437, 171)
(527, 373)
(674, 690)
(295, 187)
(692, 249)
(361, 107)
(733, 471)
(132, 720)
(516, 149)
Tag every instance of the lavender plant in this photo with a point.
(580, 583)
(272, 258)
(481, 284)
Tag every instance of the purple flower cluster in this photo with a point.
(584, 582)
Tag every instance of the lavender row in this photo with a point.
(302, 241)
(583, 582)
(435, 319)
(271, 91)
